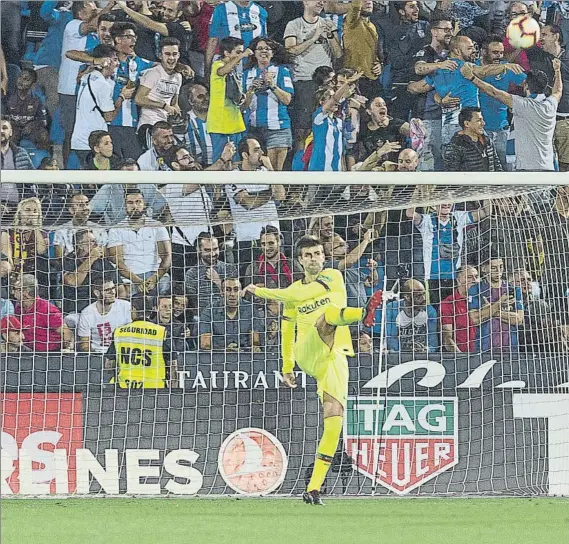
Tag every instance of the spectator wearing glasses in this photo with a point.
(179, 159)
(167, 26)
(268, 88)
(428, 60)
(81, 267)
(123, 127)
(98, 321)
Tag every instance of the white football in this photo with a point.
(523, 32)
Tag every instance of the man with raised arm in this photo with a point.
(533, 116)
(316, 312)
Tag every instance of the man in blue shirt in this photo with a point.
(495, 113)
(501, 310)
(452, 90)
(240, 19)
(411, 324)
(48, 56)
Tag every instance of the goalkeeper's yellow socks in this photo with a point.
(326, 450)
(335, 315)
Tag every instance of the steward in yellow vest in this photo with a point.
(142, 354)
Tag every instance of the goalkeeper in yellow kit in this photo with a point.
(315, 310)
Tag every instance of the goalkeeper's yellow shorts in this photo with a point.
(328, 367)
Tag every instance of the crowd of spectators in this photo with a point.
(314, 85)
(319, 85)
(475, 277)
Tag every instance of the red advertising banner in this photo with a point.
(40, 435)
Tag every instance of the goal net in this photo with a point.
(460, 386)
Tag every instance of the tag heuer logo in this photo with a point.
(402, 442)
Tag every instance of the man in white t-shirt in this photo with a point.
(190, 205)
(79, 34)
(98, 321)
(252, 206)
(534, 116)
(80, 210)
(157, 94)
(95, 105)
(141, 247)
(313, 41)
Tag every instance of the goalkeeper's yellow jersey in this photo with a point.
(303, 305)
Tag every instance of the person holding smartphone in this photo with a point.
(268, 89)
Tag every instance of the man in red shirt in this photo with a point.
(42, 322)
(459, 328)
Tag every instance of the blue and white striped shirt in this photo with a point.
(229, 19)
(328, 142)
(128, 70)
(266, 111)
(198, 140)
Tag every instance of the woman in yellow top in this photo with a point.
(224, 119)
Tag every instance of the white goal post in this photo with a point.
(461, 388)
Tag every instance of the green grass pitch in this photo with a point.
(274, 521)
